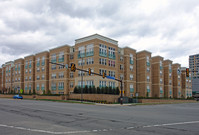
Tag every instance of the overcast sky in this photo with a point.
(169, 28)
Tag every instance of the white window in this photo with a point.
(161, 80)
(71, 74)
(102, 83)
(38, 77)
(29, 77)
(102, 61)
(71, 84)
(61, 75)
(111, 51)
(43, 77)
(43, 60)
(19, 79)
(112, 84)
(30, 71)
(61, 55)
(38, 69)
(61, 66)
(26, 71)
(61, 85)
(80, 62)
(131, 77)
(81, 73)
(42, 68)
(80, 83)
(112, 73)
(121, 58)
(90, 61)
(111, 63)
(121, 76)
(53, 76)
(89, 48)
(160, 72)
(169, 82)
(53, 66)
(53, 57)
(101, 71)
(103, 49)
(90, 83)
(189, 80)
(160, 63)
(81, 50)
(121, 67)
(38, 60)
(148, 69)
(169, 75)
(148, 79)
(178, 76)
(131, 68)
(147, 58)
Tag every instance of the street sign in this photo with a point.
(110, 77)
(66, 66)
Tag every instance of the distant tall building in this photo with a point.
(194, 69)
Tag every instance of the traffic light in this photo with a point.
(89, 71)
(104, 75)
(73, 67)
(187, 72)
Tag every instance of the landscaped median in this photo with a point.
(98, 98)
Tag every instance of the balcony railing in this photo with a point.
(81, 55)
(60, 88)
(90, 53)
(53, 60)
(111, 56)
(61, 59)
(53, 88)
(148, 90)
(131, 62)
(42, 88)
(131, 89)
(103, 54)
(43, 63)
(30, 66)
(148, 63)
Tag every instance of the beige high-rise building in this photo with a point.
(186, 83)
(129, 71)
(18, 75)
(177, 89)
(1, 80)
(42, 72)
(144, 74)
(157, 77)
(168, 79)
(8, 76)
(58, 75)
(29, 74)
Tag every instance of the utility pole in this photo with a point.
(82, 82)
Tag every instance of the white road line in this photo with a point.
(161, 125)
(45, 131)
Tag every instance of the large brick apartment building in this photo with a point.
(141, 74)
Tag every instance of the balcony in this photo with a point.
(53, 88)
(161, 91)
(26, 66)
(43, 63)
(26, 88)
(111, 56)
(38, 64)
(89, 53)
(61, 59)
(148, 63)
(42, 88)
(60, 88)
(103, 54)
(37, 88)
(148, 90)
(81, 55)
(161, 67)
(30, 66)
(131, 62)
(131, 89)
(53, 60)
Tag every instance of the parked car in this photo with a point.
(18, 97)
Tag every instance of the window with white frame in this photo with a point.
(178, 77)
(131, 57)
(90, 61)
(38, 69)
(89, 48)
(30, 71)
(19, 79)
(81, 73)
(121, 67)
(30, 78)
(81, 62)
(61, 55)
(102, 61)
(61, 75)
(38, 77)
(81, 50)
(61, 85)
(26, 78)
(121, 76)
(103, 49)
(131, 88)
(111, 51)
(89, 83)
(92, 70)
(112, 84)
(160, 63)
(43, 60)
(80, 83)
(71, 84)
(71, 74)
(131, 77)
(102, 83)
(38, 60)
(53, 57)
(43, 77)
(170, 82)
(148, 69)
(53, 66)
(148, 78)
(44, 68)
(111, 63)
(61, 66)
(38, 86)
(169, 75)
(131, 68)
(101, 71)
(161, 81)
(112, 73)
(147, 58)
(160, 72)
(178, 83)
(121, 58)
(53, 76)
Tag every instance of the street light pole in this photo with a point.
(121, 97)
(82, 82)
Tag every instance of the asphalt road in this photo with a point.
(29, 117)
